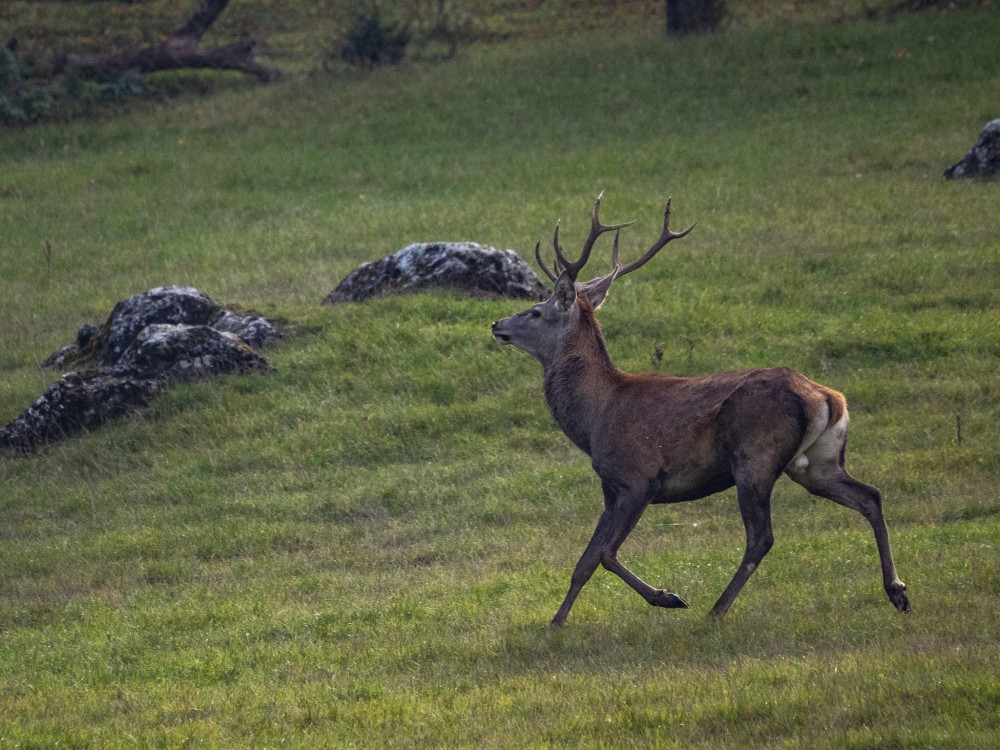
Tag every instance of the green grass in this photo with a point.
(364, 547)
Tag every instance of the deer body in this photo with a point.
(665, 439)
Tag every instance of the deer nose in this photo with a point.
(499, 335)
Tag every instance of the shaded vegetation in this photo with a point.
(329, 37)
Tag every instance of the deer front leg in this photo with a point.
(654, 597)
(584, 569)
(621, 514)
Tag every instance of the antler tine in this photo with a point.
(553, 277)
(665, 237)
(558, 248)
(596, 230)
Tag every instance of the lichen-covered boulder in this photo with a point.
(252, 329)
(174, 305)
(181, 353)
(983, 161)
(128, 366)
(463, 266)
(77, 401)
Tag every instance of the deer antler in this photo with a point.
(553, 277)
(596, 230)
(597, 287)
(665, 237)
(600, 284)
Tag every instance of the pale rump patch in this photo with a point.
(816, 427)
(822, 442)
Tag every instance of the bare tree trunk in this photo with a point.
(675, 15)
(196, 26)
(692, 16)
(181, 50)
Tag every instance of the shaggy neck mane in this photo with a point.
(581, 377)
(589, 337)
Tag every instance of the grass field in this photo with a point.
(365, 547)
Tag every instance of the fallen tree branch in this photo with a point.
(181, 50)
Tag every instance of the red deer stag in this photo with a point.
(664, 439)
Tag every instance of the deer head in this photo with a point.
(540, 330)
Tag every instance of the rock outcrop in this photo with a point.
(983, 161)
(176, 305)
(463, 266)
(164, 336)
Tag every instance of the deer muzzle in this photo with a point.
(502, 336)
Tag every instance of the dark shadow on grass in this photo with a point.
(683, 640)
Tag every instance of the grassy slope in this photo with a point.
(366, 545)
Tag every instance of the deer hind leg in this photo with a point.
(621, 514)
(755, 507)
(831, 480)
(820, 469)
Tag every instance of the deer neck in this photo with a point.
(580, 378)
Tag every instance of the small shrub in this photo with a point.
(127, 85)
(10, 70)
(20, 100)
(372, 42)
(10, 112)
(37, 103)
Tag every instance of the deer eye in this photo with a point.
(536, 313)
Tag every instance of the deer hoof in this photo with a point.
(669, 600)
(898, 597)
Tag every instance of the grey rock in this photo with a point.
(182, 353)
(983, 161)
(69, 352)
(464, 266)
(149, 341)
(252, 329)
(173, 305)
(76, 402)
(170, 304)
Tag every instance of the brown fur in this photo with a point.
(663, 439)
(666, 439)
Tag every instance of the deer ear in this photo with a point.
(565, 292)
(596, 290)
